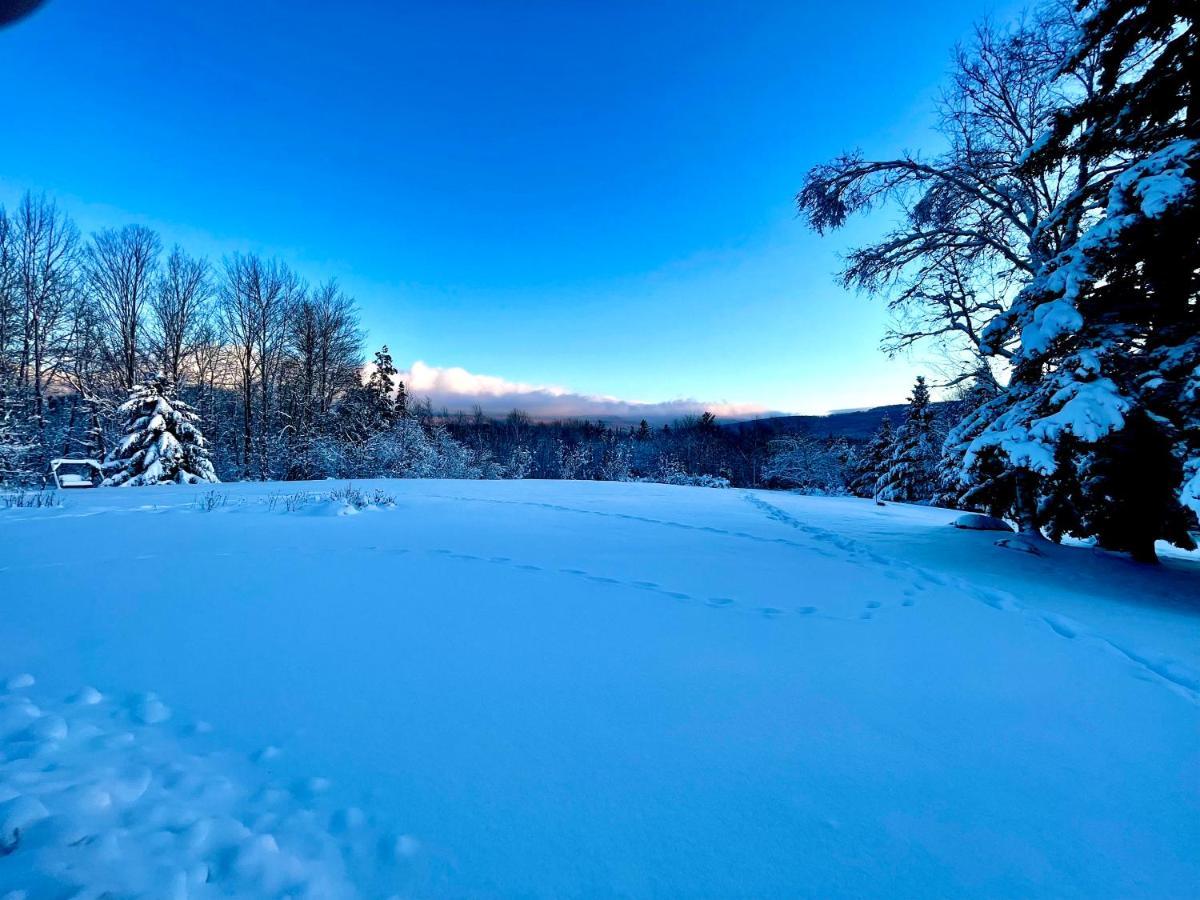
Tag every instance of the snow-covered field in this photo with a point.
(584, 689)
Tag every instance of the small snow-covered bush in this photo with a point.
(802, 463)
(289, 502)
(671, 472)
(360, 499)
(347, 495)
(708, 481)
(29, 500)
(211, 500)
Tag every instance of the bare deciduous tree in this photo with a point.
(121, 265)
(47, 248)
(973, 223)
(10, 301)
(256, 300)
(325, 346)
(178, 307)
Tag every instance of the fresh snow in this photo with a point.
(584, 689)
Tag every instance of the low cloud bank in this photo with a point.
(456, 389)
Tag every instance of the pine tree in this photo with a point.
(364, 411)
(1109, 326)
(872, 464)
(381, 387)
(911, 474)
(162, 442)
(16, 443)
(951, 487)
(401, 404)
(1130, 493)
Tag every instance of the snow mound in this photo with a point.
(979, 522)
(97, 797)
(1020, 544)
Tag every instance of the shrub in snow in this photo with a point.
(670, 472)
(211, 500)
(29, 500)
(162, 442)
(289, 502)
(809, 465)
(347, 496)
(708, 481)
(359, 499)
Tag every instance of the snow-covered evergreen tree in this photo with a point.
(951, 487)
(872, 464)
(370, 409)
(381, 386)
(401, 403)
(911, 473)
(1108, 328)
(162, 444)
(16, 443)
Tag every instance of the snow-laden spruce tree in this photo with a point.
(162, 442)
(912, 471)
(872, 464)
(1107, 331)
(16, 444)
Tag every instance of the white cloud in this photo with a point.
(456, 389)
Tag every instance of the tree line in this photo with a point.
(169, 367)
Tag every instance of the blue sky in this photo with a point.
(592, 195)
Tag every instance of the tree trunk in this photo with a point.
(1142, 550)
(1025, 505)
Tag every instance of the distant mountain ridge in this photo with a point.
(857, 425)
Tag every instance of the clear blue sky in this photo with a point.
(596, 195)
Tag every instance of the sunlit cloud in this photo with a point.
(458, 390)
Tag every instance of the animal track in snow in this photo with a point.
(1062, 626)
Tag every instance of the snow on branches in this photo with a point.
(162, 443)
